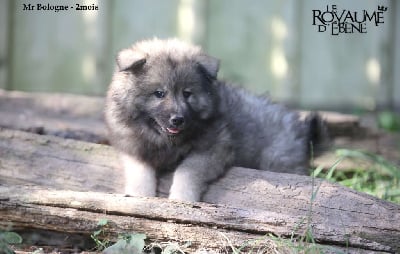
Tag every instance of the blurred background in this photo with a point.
(269, 47)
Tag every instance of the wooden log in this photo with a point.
(63, 115)
(251, 203)
(79, 212)
(204, 225)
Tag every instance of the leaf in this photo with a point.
(97, 232)
(119, 247)
(317, 171)
(5, 249)
(102, 222)
(131, 244)
(137, 240)
(38, 251)
(170, 249)
(389, 121)
(187, 244)
(11, 237)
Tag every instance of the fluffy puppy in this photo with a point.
(166, 111)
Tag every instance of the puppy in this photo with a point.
(166, 111)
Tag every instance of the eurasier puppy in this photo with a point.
(166, 111)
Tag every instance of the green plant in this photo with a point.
(98, 234)
(381, 178)
(167, 248)
(127, 244)
(389, 121)
(8, 238)
(131, 243)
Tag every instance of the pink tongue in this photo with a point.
(173, 130)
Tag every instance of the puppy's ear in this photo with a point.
(209, 64)
(128, 59)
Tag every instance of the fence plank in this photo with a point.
(4, 54)
(251, 39)
(396, 56)
(266, 46)
(138, 20)
(347, 69)
(55, 51)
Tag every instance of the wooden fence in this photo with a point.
(269, 46)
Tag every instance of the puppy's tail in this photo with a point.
(318, 136)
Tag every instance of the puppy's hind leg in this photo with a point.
(140, 178)
(285, 158)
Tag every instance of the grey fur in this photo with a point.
(166, 111)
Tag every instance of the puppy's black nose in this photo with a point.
(177, 120)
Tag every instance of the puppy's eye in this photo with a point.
(186, 93)
(159, 94)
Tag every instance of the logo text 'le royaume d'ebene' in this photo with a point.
(345, 21)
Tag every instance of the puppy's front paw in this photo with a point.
(184, 196)
(140, 189)
(140, 179)
(184, 191)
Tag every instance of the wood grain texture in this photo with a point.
(244, 204)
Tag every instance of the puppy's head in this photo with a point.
(164, 85)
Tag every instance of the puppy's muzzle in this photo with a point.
(176, 121)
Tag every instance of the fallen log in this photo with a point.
(63, 115)
(245, 204)
(203, 225)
